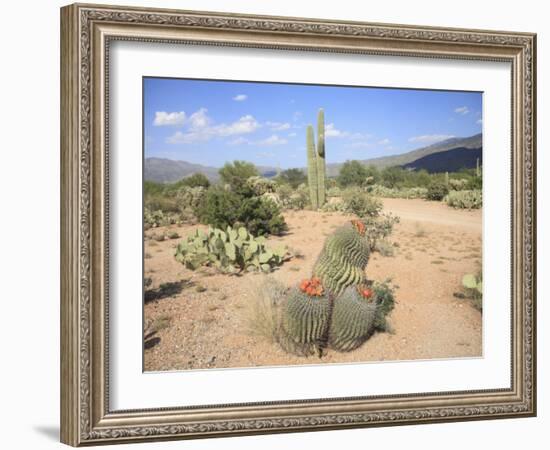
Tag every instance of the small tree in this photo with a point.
(391, 176)
(352, 173)
(292, 177)
(236, 173)
(196, 180)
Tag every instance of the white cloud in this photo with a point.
(296, 116)
(240, 97)
(430, 138)
(163, 118)
(291, 134)
(462, 110)
(239, 141)
(246, 124)
(201, 129)
(479, 121)
(360, 144)
(332, 131)
(271, 140)
(266, 155)
(278, 126)
(384, 142)
(199, 119)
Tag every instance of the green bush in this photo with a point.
(377, 229)
(295, 199)
(361, 204)
(260, 185)
(158, 218)
(352, 173)
(412, 192)
(464, 199)
(196, 180)
(437, 191)
(261, 216)
(292, 177)
(236, 174)
(221, 208)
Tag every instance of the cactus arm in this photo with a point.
(312, 168)
(321, 163)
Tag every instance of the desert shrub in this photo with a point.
(218, 208)
(361, 204)
(335, 204)
(464, 199)
(236, 173)
(385, 298)
(391, 176)
(437, 191)
(284, 191)
(473, 285)
(260, 216)
(196, 180)
(259, 185)
(158, 218)
(292, 177)
(412, 192)
(474, 183)
(334, 192)
(352, 173)
(231, 250)
(379, 228)
(295, 199)
(458, 184)
(384, 247)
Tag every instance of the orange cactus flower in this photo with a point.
(312, 287)
(359, 226)
(365, 292)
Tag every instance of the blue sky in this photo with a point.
(211, 122)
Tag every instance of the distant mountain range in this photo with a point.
(449, 155)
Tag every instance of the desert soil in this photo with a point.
(204, 323)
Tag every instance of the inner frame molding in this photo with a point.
(86, 34)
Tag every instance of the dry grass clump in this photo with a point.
(264, 312)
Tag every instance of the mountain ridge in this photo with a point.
(165, 170)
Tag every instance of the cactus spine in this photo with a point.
(312, 177)
(321, 164)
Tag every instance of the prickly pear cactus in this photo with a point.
(306, 318)
(344, 257)
(353, 318)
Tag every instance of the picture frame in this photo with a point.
(87, 32)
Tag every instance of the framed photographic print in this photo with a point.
(276, 224)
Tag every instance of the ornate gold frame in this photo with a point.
(86, 31)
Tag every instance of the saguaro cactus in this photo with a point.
(321, 164)
(312, 176)
(477, 167)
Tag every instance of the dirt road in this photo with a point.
(204, 323)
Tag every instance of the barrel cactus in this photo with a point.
(353, 318)
(306, 318)
(344, 257)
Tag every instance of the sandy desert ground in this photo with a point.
(203, 322)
